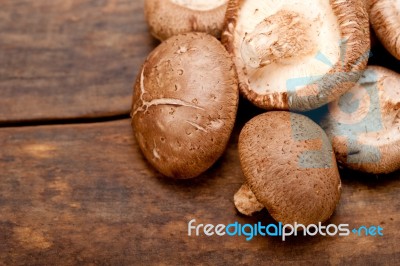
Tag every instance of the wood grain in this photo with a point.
(64, 59)
(83, 194)
(67, 59)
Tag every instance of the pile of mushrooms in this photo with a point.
(284, 57)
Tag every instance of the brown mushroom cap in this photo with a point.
(184, 104)
(171, 17)
(289, 165)
(294, 54)
(385, 20)
(364, 124)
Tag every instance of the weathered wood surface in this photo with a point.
(63, 59)
(67, 59)
(83, 194)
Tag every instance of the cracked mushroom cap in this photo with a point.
(385, 20)
(171, 17)
(184, 104)
(364, 124)
(289, 165)
(294, 54)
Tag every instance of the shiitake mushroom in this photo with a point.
(385, 20)
(364, 124)
(289, 168)
(297, 54)
(184, 104)
(172, 17)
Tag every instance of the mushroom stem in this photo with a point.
(246, 202)
(284, 35)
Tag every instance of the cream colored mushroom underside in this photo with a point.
(387, 131)
(201, 5)
(274, 77)
(386, 122)
(397, 2)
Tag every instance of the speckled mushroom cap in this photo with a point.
(364, 124)
(289, 165)
(184, 104)
(385, 20)
(171, 17)
(294, 54)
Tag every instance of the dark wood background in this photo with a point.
(74, 187)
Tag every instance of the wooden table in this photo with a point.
(74, 187)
